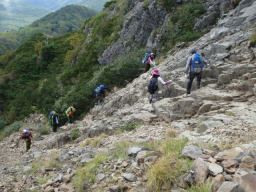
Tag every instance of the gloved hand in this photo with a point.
(186, 76)
(166, 83)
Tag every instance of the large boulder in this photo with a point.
(191, 151)
(201, 171)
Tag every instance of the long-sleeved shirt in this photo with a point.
(151, 62)
(189, 63)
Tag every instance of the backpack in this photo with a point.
(50, 115)
(196, 63)
(145, 60)
(97, 91)
(26, 135)
(153, 85)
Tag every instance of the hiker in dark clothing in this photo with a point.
(100, 94)
(27, 136)
(54, 119)
(194, 68)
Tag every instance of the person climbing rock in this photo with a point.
(27, 136)
(54, 120)
(194, 68)
(99, 94)
(70, 112)
(149, 59)
(153, 85)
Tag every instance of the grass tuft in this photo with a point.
(86, 174)
(94, 142)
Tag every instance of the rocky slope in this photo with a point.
(221, 115)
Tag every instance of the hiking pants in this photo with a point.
(54, 127)
(99, 98)
(192, 75)
(28, 144)
(153, 96)
(70, 119)
(147, 67)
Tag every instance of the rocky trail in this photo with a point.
(220, 115)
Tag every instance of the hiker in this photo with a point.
(153, 85)
(100, 94)
(70, 112)
(194, 68)
(149, 59)
(27, 136)
(54, 119)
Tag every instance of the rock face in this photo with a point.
(139, 26)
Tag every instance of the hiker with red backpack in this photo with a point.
(148, 60)
(194, 68)
(27, 136)
(153, 85)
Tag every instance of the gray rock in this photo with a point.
(235, 154)
(100, 177)
(129, 177)
(27, 168)
(201, 171)
(230, 187)
(248, 182)
(191, 151)
(215, 169)
(133, 150)
(205, 125)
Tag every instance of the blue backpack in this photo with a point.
(196, 63)
(97, 91)
(145, 60)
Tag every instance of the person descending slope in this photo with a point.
(70, 112)
(54, 120)
(27, 136)
(194, 68)
(100, 94)
(153, 85)
(148, 60)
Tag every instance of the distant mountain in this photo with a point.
(65, 20)
(56, 4)
(19, 13)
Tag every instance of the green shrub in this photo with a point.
(2, 123)
(75, 134)
(168, 4)
(205, 187)
(129, 126)
(236, 2)
(7, 131)
(253, 39)
(44, 131)
(180, 29)
(110, 4)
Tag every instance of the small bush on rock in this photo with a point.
(75, 134)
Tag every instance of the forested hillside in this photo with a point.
(19, 13)
(65, 20)
(15, 14)
(45, 74)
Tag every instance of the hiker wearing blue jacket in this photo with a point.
(99, 93)
(194, 68)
